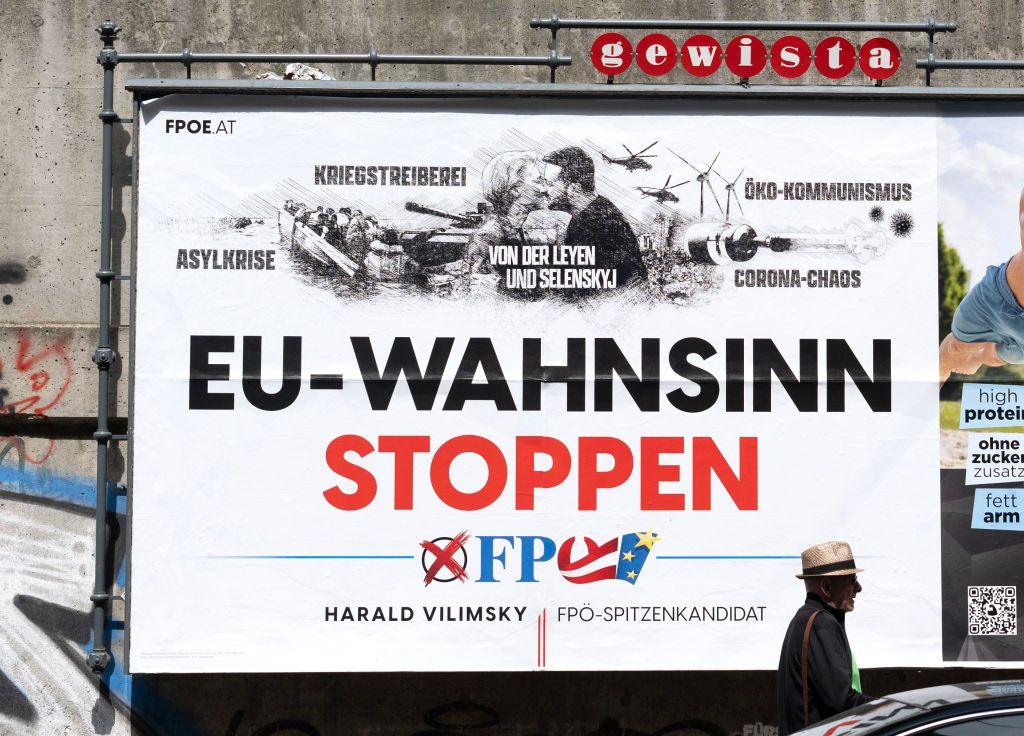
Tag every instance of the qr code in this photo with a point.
(992, 610)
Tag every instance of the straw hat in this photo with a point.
(828, 559)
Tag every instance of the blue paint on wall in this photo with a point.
(41, 483)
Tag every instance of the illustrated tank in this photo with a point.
(440, 245)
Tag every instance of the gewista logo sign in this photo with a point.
(745, 56)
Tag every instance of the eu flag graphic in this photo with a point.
(620, 558)
(634, 549)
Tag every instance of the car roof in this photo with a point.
(892, 709)
(936, 697)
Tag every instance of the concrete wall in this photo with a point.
(49, 191)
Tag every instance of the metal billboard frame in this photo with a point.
(100, 658)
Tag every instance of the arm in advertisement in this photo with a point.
(988, 327)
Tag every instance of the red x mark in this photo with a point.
(446, 558)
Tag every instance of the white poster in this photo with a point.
(471, 385)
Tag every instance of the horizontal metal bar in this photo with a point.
(556, 23)
(196, 57)
(55, 428)
(96, 597)
(932, 64)
(157, 87)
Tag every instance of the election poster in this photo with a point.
(981, 234)
(455, 385)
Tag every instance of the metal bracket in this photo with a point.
(104, 358)
(554, 45)
(931, 52)
(98, 660)
(108, 31)
(107, 58)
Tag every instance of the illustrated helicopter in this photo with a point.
(633, 161)
(662, 193)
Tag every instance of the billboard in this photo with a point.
(479, 385)
(981, 233)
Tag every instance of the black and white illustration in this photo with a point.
(548, 217)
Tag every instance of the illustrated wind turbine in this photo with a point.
(730, 191)
(704, 177)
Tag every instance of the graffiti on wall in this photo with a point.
(34, 380)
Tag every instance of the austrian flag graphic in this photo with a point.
(630, 553)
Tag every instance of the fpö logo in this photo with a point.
(745, 56)
(524, 559)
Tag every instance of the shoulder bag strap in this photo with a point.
(803, 668)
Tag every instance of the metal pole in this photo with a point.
(200, 57)
(99, 658)
(554, 22)
(554, 45)
(931, 53)
(532, 90)
(1006, 64)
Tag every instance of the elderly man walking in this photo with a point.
(818, 675)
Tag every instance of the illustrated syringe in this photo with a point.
(723, 243)
(861, 245)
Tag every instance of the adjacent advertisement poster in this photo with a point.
(475, 385)
(981, 289)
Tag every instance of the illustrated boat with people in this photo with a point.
(345, 243)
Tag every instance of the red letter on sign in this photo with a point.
(708, 459)
(653, 474)
(528, 477)
(366, 484)
(611, 53)
(790, 57)
(879, 58)
(701, 55)
(590, 478)
(404, 448)
(441, 467)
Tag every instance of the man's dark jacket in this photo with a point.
(829, 668)
(601, 225)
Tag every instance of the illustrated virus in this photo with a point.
(901, 224)
(876, 214)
